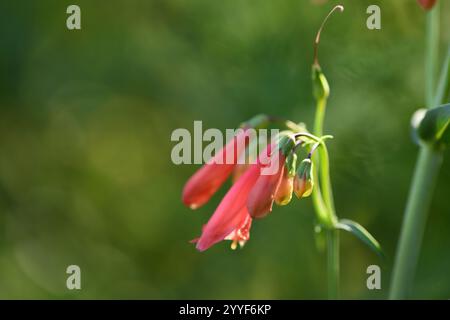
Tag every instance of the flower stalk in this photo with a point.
(322, 194)
(324, 203)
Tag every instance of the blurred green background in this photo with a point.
(85, 124)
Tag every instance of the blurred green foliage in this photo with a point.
(85, 124)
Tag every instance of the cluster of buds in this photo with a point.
(272, 178)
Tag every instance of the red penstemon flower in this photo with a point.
(252, 195)
(208, 179)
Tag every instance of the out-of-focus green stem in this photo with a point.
(424, 179)
(414, 221)
(431, 54)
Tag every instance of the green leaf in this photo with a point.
(362, 234)
(435, 124)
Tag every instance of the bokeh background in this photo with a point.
(85, 123)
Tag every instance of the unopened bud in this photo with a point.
(284, 192)
(303, 180)
(321, 88)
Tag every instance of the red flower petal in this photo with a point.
(231, 215)
(261, 197)
(208, 179)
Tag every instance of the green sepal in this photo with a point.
(291, 164)
(286, 142)
(304, 170)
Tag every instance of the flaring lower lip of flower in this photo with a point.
(208, 179)
(231, 219)
(241, 234)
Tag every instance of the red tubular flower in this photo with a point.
(262, 196)
(427, 4)
(231, 220)
(208, 179)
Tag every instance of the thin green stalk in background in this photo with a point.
(431, 54)
(414, 221)
(424, 179)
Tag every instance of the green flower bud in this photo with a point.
(303, 180)
(283, 194)
(286, 143)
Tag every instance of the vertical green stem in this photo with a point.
(424, 179)
(414, 221)
(325, 183)
(319, 116)
(431, 54)
(333, 263)
(324, 203)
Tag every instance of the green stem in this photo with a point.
(325, 183)
(431, 54)
(323, 177)
(324, 204)
(414, 221)
(319, 204)
(424, 179)
(332, 233)
(333, 263)
(319, 117)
